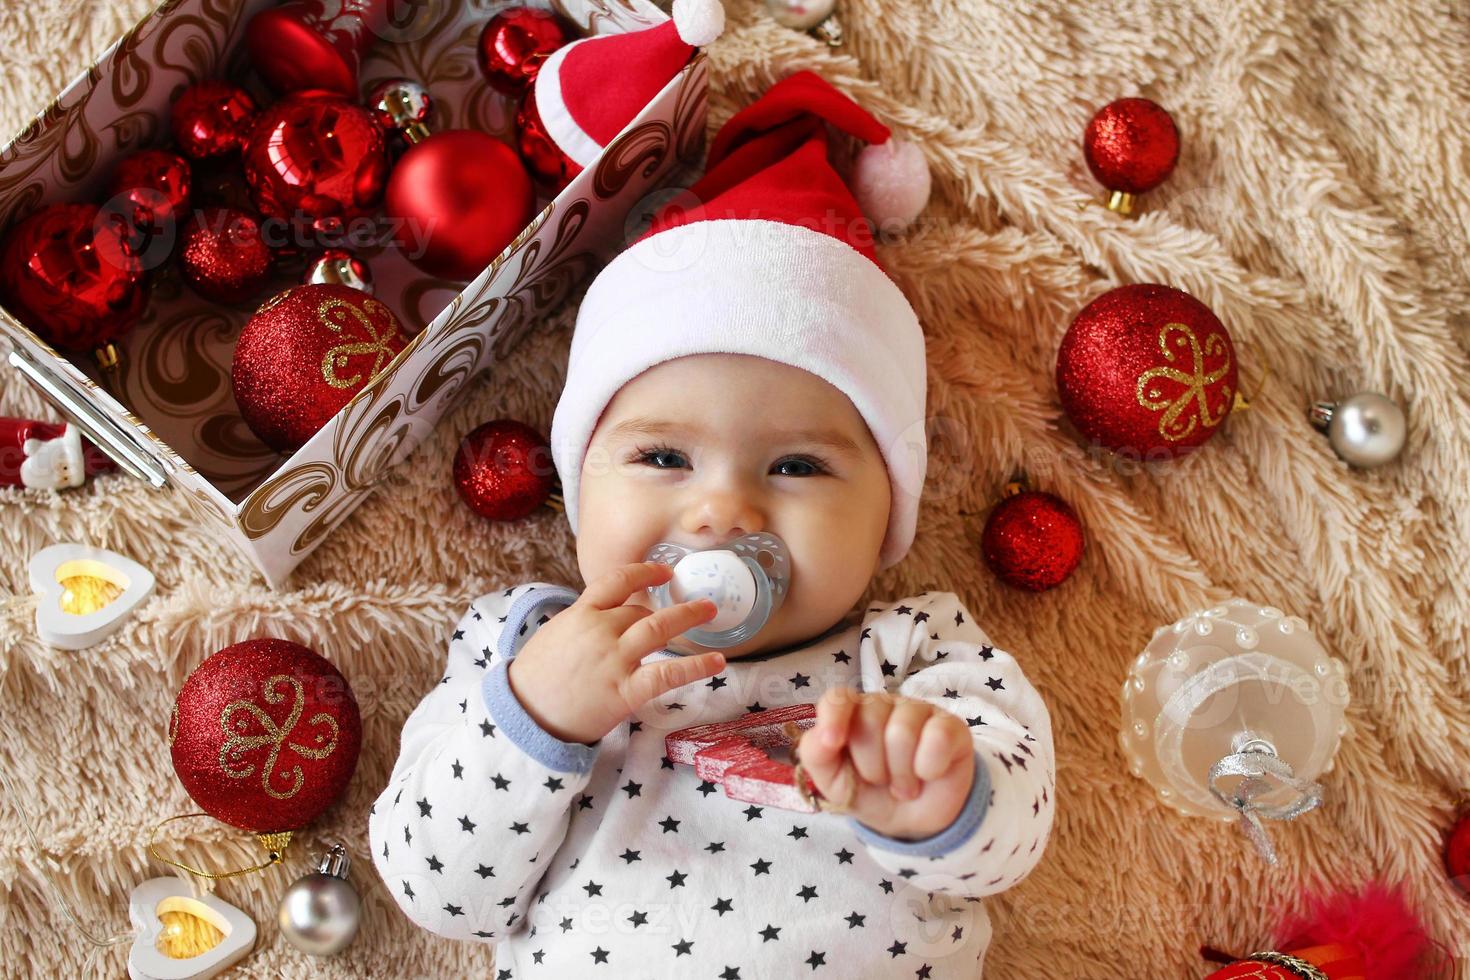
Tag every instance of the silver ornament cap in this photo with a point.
(1366, 430)
(320, 912)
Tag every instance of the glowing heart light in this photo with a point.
(85, 594)
(172, 898)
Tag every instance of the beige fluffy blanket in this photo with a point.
(1320, 207)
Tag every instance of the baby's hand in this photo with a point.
(914, 762)
(580, 675)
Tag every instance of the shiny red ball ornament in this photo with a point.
(458, 198)
(1131, 146)
(223, 255)
(504, 470)
(314, 44)
(317, 157)
(515, 43)
(151, 188)
(73, 275)
(304, 354)
(1147, 371)
(1457, 852)
(546, 161)
(1032, 540)
(212, 118)
(264, 735)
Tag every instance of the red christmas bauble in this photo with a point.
(72, 273)
(514, 44)
(212, 119)
(316, 155)
(544, 159)
(223, 255)
(151, 188)
(458, 199)
(1147, 370)
(314, 44)
(265, 735)
(1131, 145)
(1457, 852)
(304, 354)
(504, 470)
(1032, 540)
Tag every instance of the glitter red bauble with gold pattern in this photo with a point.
(264, 735)
(515, 43)
(1147, 371)
(223, 255)
(305, 354)
(72, 274)
(546, 161)
(504, 470)
(1131, 146)
(318, 156)
(212, 118)
(1032, 540)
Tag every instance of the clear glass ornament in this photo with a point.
(1231, 711)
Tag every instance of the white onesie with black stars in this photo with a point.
(609, 860)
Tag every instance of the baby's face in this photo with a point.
(710, 446)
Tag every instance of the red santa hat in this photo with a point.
(774, 258)
(587, 91)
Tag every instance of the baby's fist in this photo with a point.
(912, 763)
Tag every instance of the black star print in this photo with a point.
(1004, 760)
(716, 847)
(950, 692)
(716, 682)
(538, 954)
(592, 888)
(458, 770)
(987, 653)
(407, 836)
(958, 932)
(676, 879)
(552, 783)
(906, 872)
(467, 824)
(920, 617)
(500, 781)
(730, 973)
(889, 668)
(865, 633)
(635, 726)
(682, 948)
(923, 972)
(668, 824)
(886, 885)
(904, 611)
(769, 932)
(841, 657)
(444, 679)
(959, 618)
(520, 828)
(459, 634)
(751, 812)
(972, 722)
(800, 680)
(630, 856)
(817, 959)
(632, 788)
(898, 948)
(435, 864)
(666, 763)
(806, 894)
(424, 808)
(487, 730)
(753, 708)
(566, 925)
(797, 832)
(585, 803)
(854, 920)
(408, 890)
(385, 849)
(706, 787)
(941, 654)
(722, 905)
(762, 867)
(599, 955)
(485, 872)
(843, 856)
(638, 919)
(994, 684)
(488, 935)
(464, 705)
(453, 910)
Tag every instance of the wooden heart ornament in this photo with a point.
(84, 594)
(157, 897)
(749, 757)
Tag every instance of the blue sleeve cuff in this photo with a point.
(535, 741)
(962, 829)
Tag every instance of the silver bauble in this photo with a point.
(1367, 429)
(320, 912)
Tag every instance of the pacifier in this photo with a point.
(747, 577)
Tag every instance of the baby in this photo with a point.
(745, 368)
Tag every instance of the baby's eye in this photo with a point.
(651, 456)
(813, 467)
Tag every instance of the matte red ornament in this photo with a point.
(212, 118)
(72, 274)
(515, 43)
(546, 161)
(315, 44)
(1131, 146)
(1457, 852)
(1147, 370)
(504, 470)
(264, 735)
(316, 156)
(223, 255)
(1032, 540)
(305, 354)
(151, 188)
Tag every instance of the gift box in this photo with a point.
(165, 411)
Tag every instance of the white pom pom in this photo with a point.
(891, 182)
(698, 22)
